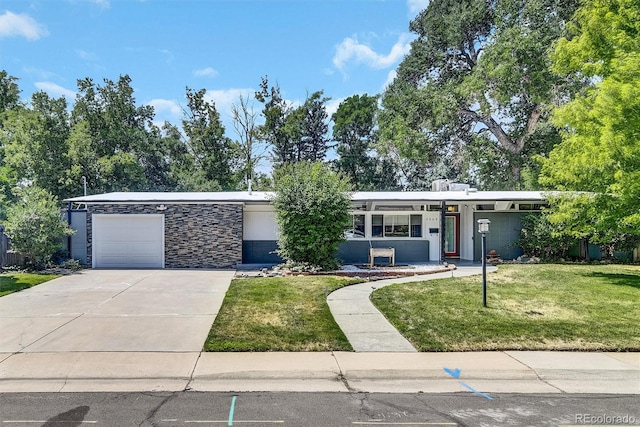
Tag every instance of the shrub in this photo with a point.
(312, 210)
(540, 238)
(35, 225)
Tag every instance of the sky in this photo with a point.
(343, 47)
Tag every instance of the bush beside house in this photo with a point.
(312, 211)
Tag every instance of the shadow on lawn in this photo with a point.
(10, 284)
(618, 279)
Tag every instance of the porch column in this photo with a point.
(443, 214)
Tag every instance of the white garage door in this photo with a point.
(128, 241)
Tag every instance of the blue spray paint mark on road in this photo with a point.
(474, 391)
(455, 373)
(232, 409)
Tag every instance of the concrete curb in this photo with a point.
(487, 372)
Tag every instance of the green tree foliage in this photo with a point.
(35, 225)
(355, 132)
(600, 149)
(471, 100)
(294, 134)
(541, 238)
(35, 143)
(9, 92)
(312, 144)
(274, 130)
(117, 131)
(212, 151)
(312, 210)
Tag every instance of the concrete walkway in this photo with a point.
(480, 372)
(365, 327)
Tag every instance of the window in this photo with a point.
(357, 227)
(532, 206)
(486, 207)
(376, 226)
(396, 226)
(416, 225)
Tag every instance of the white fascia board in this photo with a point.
(449, 196)
(261, 197)
(175, 197)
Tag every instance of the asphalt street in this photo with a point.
(315, 409)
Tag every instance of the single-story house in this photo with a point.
(226, 229)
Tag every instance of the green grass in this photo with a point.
(530, 307)
(14, 282)
(278, 314)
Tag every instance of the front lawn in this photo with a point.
(278, 314)
(14, 282)
(530, 307)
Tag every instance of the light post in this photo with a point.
(483, 228)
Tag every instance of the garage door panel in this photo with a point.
(128, 241)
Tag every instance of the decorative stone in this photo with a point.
(195, 235)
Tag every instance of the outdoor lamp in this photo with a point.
(483, 228)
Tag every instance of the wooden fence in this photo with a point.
(7, 256)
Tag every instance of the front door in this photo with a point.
(452, 235)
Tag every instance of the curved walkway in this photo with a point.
(365, 327)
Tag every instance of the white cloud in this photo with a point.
(168, 108)
(12, 25)
(351, 50)
(168, 55)
(55, 90)
(332, 106)
(205, 72)
(224, 99)
(87, 56)
(416, 6)
(105, 4)
(390, 78)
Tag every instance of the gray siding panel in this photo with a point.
(503, 231)
(79, 238)
(357, 251)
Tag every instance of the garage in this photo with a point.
(128, 241)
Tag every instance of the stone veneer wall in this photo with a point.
(195, 235)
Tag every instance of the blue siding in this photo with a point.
(351, 252)
(503, 231)
(357, 251)
(260, 252)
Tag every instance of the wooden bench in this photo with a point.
(384, 253)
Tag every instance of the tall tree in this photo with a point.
(36, 143)
(118, 131)
(274, 130)
(476, 88)
(212, 150)
(9, 101)
(9, 92)
(599, 153)
(251, 151)
(355, 132)
(315, 128)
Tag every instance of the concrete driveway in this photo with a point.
(114, 311)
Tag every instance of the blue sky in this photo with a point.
(343, 47)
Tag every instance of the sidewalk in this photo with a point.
(481, 372)
(364, 326)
